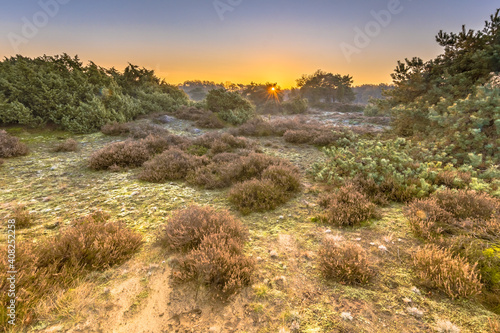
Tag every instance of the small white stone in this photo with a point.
(346, 316)
(382, 248)
(328, 231)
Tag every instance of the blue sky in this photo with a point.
(256, 40)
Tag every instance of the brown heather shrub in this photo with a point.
(186, 228)
(143, 130)
(284, 177)
(251, 166)
(453, 275)
(213, 245)
(22, 216)
(209, 120)
(254, 127)
(344, 262)
(211, 176)
(219, 263)
(202, 118)
(10, 146)
(127, 153)
(66, 146)
(172, 164)
(116, 128)
(93, 243)
(299, 136)
(453, 179)
(427, 219)
(257, 196)
(215, 141)
(57, 263)
(1, 161)
(467, 203)
(347, 207)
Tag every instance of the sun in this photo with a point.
(273, 89)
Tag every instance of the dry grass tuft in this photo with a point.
(22, 216)
(451, 274)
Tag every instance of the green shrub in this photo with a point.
(347, 207)
(452, 274)
(344, 262)
(81, 99)
(10, 146)
(296, 105)
(230, 106)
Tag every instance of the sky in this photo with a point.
(238, 40)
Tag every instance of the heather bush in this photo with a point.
(212, 242)
(22, 217)
(451, 274)
(285, 177)
(10, 146)
(217, 262)
(123, 154)
(172, 164)
(453, 179)
(449, 212)
(186, 228)
(277, 185)
(298, 136)
(427, 218)
(218, 143)
(143, 130)
(202, 118)
(256, 196)
(254, 127)
(67, 146)
(347, 207)
(116, 128)
(56, 263)
(344, 262)
(468, 204)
